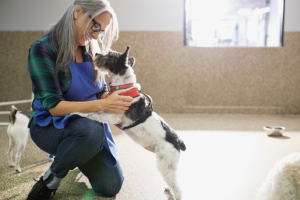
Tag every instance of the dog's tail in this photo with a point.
(12, 115)
(182, 146)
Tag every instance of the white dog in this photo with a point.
(139, 122)
(283, 181)
(18, 135)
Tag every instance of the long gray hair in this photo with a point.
(64, 32)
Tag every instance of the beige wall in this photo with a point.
(184, 79)
(216, 80)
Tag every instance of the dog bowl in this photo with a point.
(274, 130)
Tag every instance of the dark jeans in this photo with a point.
(79, 144)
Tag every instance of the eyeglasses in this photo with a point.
(97, 27)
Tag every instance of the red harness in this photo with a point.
(132, 93)
(119, 87)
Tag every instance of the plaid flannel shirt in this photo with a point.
(48, 86)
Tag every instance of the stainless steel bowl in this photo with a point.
(276, 131)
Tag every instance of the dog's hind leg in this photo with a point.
(21, 148)
(167, 161)
(10, 151)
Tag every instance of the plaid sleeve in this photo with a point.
(45, 83)
(99, 94)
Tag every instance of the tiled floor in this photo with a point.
(227, 158)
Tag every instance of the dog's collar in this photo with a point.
(119, 87)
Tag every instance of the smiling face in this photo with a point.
(103, 19)
(114, 62)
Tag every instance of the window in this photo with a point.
(219, 23)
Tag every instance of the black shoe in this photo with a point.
(40, 191)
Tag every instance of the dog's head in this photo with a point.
(114, 62)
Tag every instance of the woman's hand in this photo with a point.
(113, 104)
(116, 103)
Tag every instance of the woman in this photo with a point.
(64, 81)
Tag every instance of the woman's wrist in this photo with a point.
(100, 105)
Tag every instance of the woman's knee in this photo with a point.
(87, 129)
(109, 188)
(104, 180)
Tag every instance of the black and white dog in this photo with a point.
(139, 122)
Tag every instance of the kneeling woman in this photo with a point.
(65, 81)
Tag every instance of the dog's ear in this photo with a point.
(131, 61)
(124, 57)
(127, 50)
